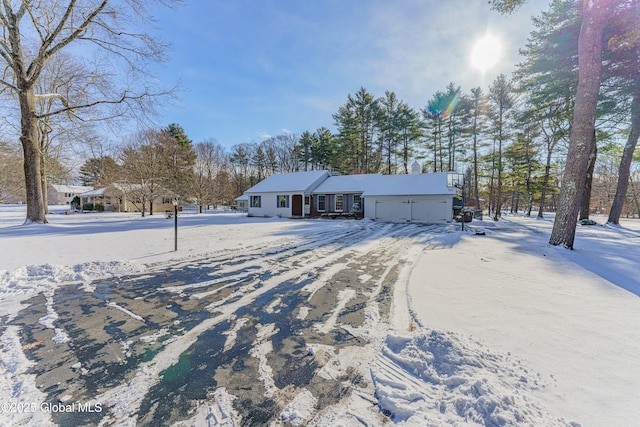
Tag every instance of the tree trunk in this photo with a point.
(492, 188)
(635, 195)
(585, 204)
(476, 192)
(45, 186)
(594, 18)
(545, 184)
(625, 163)
(498, 212)
(32, 158)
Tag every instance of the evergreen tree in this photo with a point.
(435, 114)
(179, 157)
(523, 170)
(389, 126)
(259, 163)
(357, 126)
(623, 68)
(305, 144)
(502, 100)
(410, 131)
(324, 150)
(477, 112)
(454, 122)
(595, 15)
(99, 171)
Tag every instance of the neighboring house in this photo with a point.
(285, 195)
(242, 203)
(123, 198)
(64, 194)
(421, 198)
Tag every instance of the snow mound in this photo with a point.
(442, 373)
(299, 409)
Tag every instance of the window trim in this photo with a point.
(252, 201)
(282, 199)
(357, 201)
(322, 197)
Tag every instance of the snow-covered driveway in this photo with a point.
(284, 330)
(317, 322)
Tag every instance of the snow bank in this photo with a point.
(440, 378)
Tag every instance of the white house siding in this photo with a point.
(423, 198)
(269, 207)
(296, 183)
(64, 194)
(432, 209)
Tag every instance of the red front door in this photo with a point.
(296, 205)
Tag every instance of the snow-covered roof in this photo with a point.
(111, 188)
(74, 189)
(387, 185)
(404, 185)
(242, 198)
(348, 184)
(289, 182)
(94, 193)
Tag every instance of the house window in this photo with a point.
(307, 200)
(339, 202)
(357, 203)
(255, 201)
(167, 201)
(282, 201)
(322, 203)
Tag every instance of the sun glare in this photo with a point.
(486, 53)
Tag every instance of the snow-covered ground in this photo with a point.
(493, 329)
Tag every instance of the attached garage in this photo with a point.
(421, 209)
(418, 198)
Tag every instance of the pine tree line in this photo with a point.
(510, 142)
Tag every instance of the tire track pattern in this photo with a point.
(157, 348)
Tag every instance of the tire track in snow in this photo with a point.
(236, 281)
(125, 399)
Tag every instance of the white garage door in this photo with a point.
(393, 209)
(430, 210)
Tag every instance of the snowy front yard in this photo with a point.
(315, 322)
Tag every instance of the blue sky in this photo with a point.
(250, 69)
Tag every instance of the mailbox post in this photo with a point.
(175, 225)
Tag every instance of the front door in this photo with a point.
(296, 205)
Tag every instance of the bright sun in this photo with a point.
(486, 53)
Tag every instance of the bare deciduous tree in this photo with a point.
(209, 163)
(34, 33)
(144, 169)
(11, 180)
